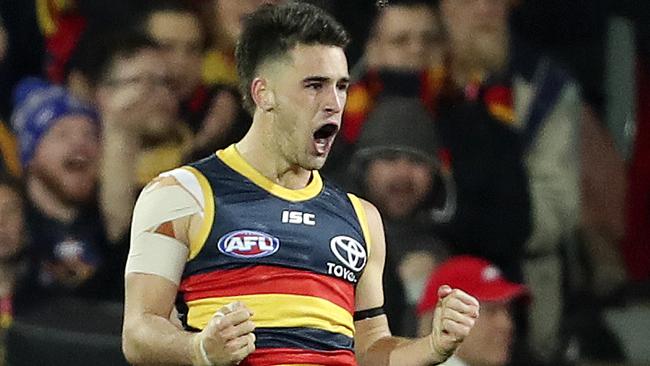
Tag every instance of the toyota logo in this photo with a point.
(349, 251)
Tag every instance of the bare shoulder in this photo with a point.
(372, 213)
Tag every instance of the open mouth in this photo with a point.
(76, 163)
(326, 131)
(324, 136)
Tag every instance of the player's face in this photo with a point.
(66, 159)
(310, 91)
(489, 341)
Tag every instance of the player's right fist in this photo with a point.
(227, 339)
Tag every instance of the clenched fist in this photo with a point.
(453, 318)
(227, 339)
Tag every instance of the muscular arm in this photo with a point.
(374, 344)
(150, 336)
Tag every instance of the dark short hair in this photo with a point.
(274, 30)
(98, 49)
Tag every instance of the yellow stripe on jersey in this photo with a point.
(278, 311)
(197, 241)
(233, 159)
(363, 221)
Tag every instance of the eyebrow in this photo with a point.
(322, 79)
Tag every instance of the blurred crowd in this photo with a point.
(477, 127)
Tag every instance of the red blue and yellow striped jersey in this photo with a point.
(292, 256)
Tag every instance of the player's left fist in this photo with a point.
(453, 318)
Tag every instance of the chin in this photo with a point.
(313, 165)
(314, 162)
(80, 193)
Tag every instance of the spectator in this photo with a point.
(404, 44)
(142, 133)
(509, 118)
(490, 341)
(214, 114)
(407, 35)
(177, 28)
(59, 150)
(395, 168)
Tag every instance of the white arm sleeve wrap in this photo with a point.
(157, 254)
(154, 253)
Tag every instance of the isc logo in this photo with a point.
(248, 244)
(298, 217)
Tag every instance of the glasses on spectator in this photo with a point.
(149, 80)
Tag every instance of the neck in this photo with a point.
(464, 71)
(263, 152)
(48, 201)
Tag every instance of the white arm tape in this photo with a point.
(154, 253)
(189, 181)
(157, 254)
(157, 205)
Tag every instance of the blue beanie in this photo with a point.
(37, 106)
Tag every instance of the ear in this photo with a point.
(263, 96)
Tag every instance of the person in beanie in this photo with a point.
(490, 341)
(59, 151)
(396, 167)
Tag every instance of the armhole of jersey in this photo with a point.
(198, 240)
(363, 221)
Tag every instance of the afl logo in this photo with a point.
(349, 251)
(248, 244)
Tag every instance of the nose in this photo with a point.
(84, 139)
(334, 100)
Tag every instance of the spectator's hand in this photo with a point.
(453, 318)
(228, 338)
(218, 121)
(137, 108)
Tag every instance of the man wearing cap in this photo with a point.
(396, 168)
(490, 341)
(59, 151)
